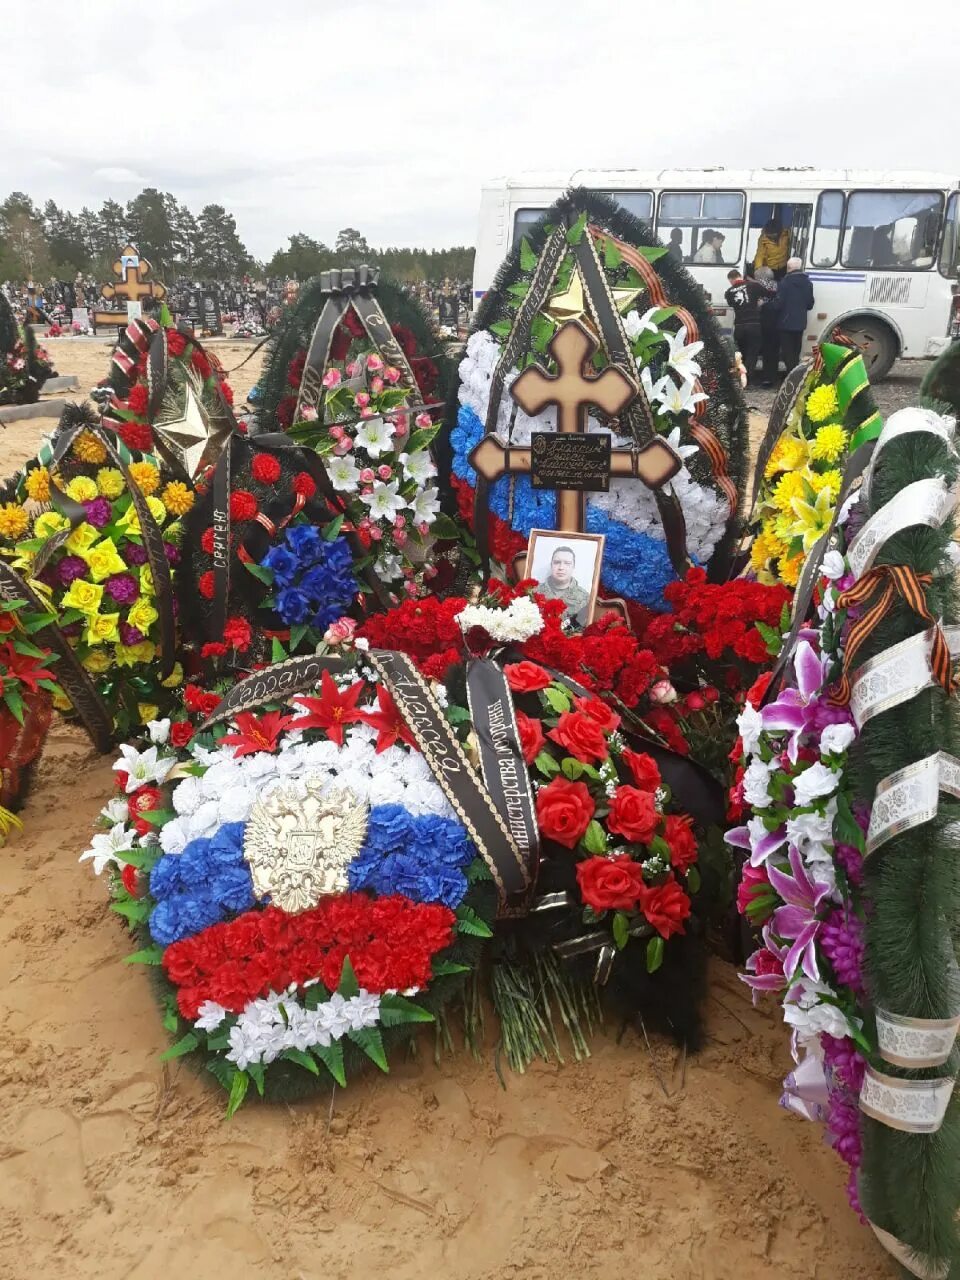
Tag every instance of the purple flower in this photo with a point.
(843, 1122)
(842, 941)
(844, 1061)
(851, 859)
(801, 710)
(172, 552)
(133, 553)
(70, 568)
(123, 587)
(797, 921)
(98, 512)
(130, 635)
(765, 966)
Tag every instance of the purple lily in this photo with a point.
(800, 711)
(765, 966)
(798, 919)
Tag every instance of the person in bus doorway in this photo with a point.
(773, 248)
(710, 246)
(769, 327)
(746, 296)
(675, 247)
(794, 300)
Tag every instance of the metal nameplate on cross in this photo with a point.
(573, 391)
(132, 272)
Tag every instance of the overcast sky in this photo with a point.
(387, 115)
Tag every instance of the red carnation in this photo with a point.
(243, 505)
(526, 677)
(238, 634)
(206, 540)
(265, 468)
(633, 815)
(564, 811)
(213, 649)
(610, 884)
(644, 769)
(200, 363)
(176, 342)
(478, 641)
(285, 411)
(532, 740)
(666, 907)
(205, 584)
(227, 392)
(137, 435)
(303, 484)
(181, 731)
(138, 399)
(678, 833)
(581, 736)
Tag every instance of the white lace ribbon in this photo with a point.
(897, 674)
(915, 1042)
(926, 502)
(908, 1259)
(912, 1106)
(911, 797)
(905, 422)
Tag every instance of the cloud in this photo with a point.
(118, 177)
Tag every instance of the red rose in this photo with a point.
(238, 634)
(633, 815)
(136, 435)
(599, 712)
(265, 468)
(7, 622)
(303, 484)
(243, 505)
(610, 884)
(180, 733)
(526, 677)
(143, 800)
(206, 540)
(205, 584)
(694, 701)
(711, 694)
(531, 737)
(581, 736)
(644, 769)
(176, 342)
(138, 400)
(759, 687)
(666, 907)
(679, 836)
(564, 811)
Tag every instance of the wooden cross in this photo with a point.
(571, 390)
(134, 285)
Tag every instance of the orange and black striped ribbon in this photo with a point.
(883, 585)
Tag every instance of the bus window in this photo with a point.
(826, 232)
(892, 230)
(523, 221)
(702, 227)
(639, 203)
(948, 250)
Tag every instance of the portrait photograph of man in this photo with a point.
(567, 567)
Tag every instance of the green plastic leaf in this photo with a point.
(654, 953)
(396, 1010)
(186, 1044)
(156, 817)
(546, 765)
(296, 634)
(332, 530)
(771, 637)
(556, 698)
(171, 1020)
(256, 1073)
(444, 528)
(469, 922)
(541, 331)
(528, 259)
(448, 968)
(11, 696)
(259, 572)
(149, 955)
(371, 1042)
(575, 233)
(572, 769)
(277, 652)
(219, 1041)
(348, 986)
(238, 1091)
(134, 910)
(478, 871)
(621, 929)
(659, 848)
(302, 1060)
(594, 840)
(331, 1056)
(501, 328)
(651, 253)
(693, 880)
(457, 715)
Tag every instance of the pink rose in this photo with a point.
(384, 472)
(423, 420)
(331, 378)
(366, 475)
(391, 375)
(376, 385)
(362, 399)
(340, 630)
(374, 363)
(663, 692)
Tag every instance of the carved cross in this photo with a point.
(133, 286)
(572, 391)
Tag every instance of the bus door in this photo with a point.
(795, 215)
(800, 230)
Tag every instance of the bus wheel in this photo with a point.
(875, 339)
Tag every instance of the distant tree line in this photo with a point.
(50, 242)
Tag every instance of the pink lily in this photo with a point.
(797, 920)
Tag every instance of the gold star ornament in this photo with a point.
(188, 435)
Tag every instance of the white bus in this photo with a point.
(880, 247)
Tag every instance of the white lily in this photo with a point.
(418, 466)
(683, 451)
(654, 391)
(105, 846)
(384, 501)
(683, 399)
(682, 355)
(344, 474)
(142, 767)
(375, 435)
(635, 324)
(425, 506)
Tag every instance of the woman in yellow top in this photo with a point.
(773, 248)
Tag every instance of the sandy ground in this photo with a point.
(113, 1166)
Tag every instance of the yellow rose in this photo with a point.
(175, 677)
(110, 482)
(147, 711)
(85, 596)
(82, 489)
(142, 615)
(131, 521)
(145, 651)
(157, 510)
(97, 661)
(82, 538)
(103, 560)
(49, 523)
(101, 627)
(146, 580)
(145, 476)
(38, 485)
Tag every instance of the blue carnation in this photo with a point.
(226, 847)
(233, 888)
(182, 917)
(165, 876)
(194, 864)
(390, 829)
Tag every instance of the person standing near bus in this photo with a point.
(773, 248)
(794, 300)
(769, 328)
(746, 296)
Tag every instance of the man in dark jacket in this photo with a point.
(794, 300)
(746, 296)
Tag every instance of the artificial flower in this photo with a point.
(82, 489)
(103, 560)
(682, 355)
(145, 476)
(110, 482)
(564, 811)
(344, 473)
(375, 436)
(633, 815)
(177, 498)
(37, 484)
(142, 767)
(610, 884)
(333, 710)
(256, 733)
(388, 722)
(384, 501)
(85, 596)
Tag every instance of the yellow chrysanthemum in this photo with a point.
(82, 489)
(146, 475)
(822, 403)
(177, 498)
(789, 454)
(766, 547)
(110, 481)
(775, 462)
(37, 485)
(147, 711)
(88, 448)
(785, 527)
(98, 661)
(14, 521)
(790, 569)
(829, 481)
(789, 486)
(829, 443)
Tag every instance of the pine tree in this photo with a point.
(222, 253)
